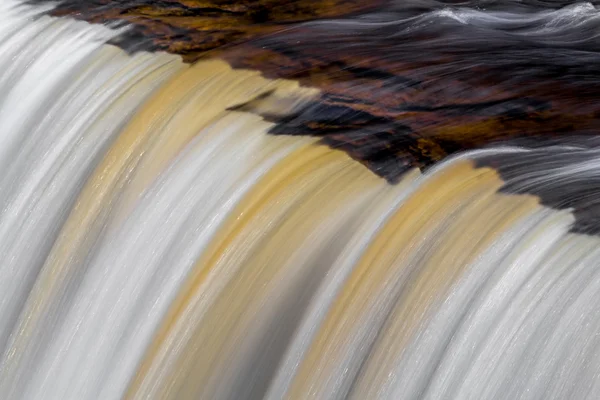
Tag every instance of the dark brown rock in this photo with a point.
(403, 85)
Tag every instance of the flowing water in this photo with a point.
(157, 243)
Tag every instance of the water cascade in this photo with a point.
(156, 242)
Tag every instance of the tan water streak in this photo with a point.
(476, 228)
(390, 262)
(264, 237)
(191, 100)
(155, 135)
(267, 295)
(199, 97)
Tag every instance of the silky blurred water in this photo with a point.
(158, 241)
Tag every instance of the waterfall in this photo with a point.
(157, 242)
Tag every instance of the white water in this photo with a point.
(155, 245)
